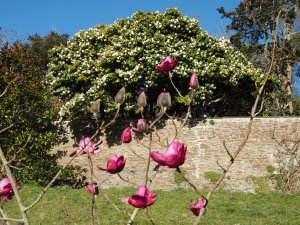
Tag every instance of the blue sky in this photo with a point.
(69, 16)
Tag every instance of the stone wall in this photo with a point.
(204, 140)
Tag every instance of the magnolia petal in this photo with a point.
(142, 191)
(77, 153)
(162, 68)
(102, 168)
(112, 166)
(138, 201)
(125, 200)
(158, 157)
(172, 161)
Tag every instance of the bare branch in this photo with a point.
(113, 204)
(227, 150)
(4, 217)
(6, 128)
(261, 108)
(126, 180)
(131, 149)
(9, 84)
(44, 190)
(170, 77)
(14, 186)
(224, 170)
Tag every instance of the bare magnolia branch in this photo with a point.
(14, 186)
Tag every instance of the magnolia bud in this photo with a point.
(95, 108)
(164, 99)
(120, 96)
(142, 101)
(194, 81)
(126, 135)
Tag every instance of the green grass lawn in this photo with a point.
(64, 205)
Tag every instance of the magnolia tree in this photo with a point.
(97, 62)
(89, 89)
(172, 158)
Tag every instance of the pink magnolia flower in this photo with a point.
(6, 190)
(141, 126)
(167, 64)
(197, 206)
(92, 188)
(114, 165)
(86, 145)
(141, 199)
(194, 84)
(126, 135)
(173, 157)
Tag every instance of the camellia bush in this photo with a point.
(97, 62)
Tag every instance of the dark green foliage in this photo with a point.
(29, 106)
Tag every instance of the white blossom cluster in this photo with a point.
(98, 61)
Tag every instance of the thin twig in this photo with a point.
(114, 205)
(227, 150)
(148, 215)
(126, 180)
(170, 77)
(131, 149)
(9, 84)
(6, 128)
(44, 190)
(4, 217)
(224, 170)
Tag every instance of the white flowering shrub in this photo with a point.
(97, 62)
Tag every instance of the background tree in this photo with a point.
(39, 46)
(28, 106)
(253, 23)
(97, 62)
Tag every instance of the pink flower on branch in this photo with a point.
(6, 189)
(173, 157)
(86, 145)
(126, 135)
(197, 206)
(114, 165)
(141, 199)
(141, 126)
(167, 64)
(93, 188)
